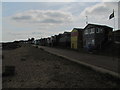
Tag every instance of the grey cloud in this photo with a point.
(36, 33)
(55, 14)
(97, 9)
(100, 9)
(24, 33)
(51, 20)
(21, 17)
(42, 16)
(14, 34)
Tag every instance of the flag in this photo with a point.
(112, 15)
(86, 20)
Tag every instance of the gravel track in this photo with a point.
(36, 68)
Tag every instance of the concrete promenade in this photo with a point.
(103, 64)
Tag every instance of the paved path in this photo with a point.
(104, 62)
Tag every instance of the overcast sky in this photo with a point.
(22, 20)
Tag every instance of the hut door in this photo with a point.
(72, 45)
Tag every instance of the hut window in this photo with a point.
(97, 30)
(86, 31)
(101, 30)
(93, 41)
(92, 30)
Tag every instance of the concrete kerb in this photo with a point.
(93, 67)
(101, 70)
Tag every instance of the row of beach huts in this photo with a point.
(92, 37)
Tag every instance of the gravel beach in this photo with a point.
(36, 68)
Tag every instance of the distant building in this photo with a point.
(31, 41)
(76, 38)
(37, 42)
(43, 41)
(58, 37)
(65, 40)
(48, 41)
(96, 36)
(53, 40)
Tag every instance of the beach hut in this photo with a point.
(96, 36)
(76, 38)
(65, 40)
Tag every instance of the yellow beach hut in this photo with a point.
(76, 38)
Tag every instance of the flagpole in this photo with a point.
(114, 23)
(114, 36)
(86, 19)
(114, 20)
(110, 17)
